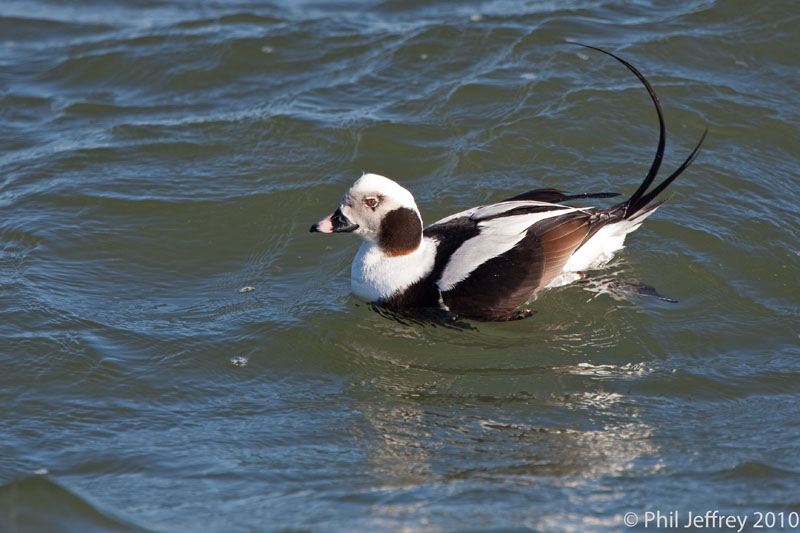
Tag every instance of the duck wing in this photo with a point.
(491, 259)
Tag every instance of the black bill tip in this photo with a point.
(334, 223)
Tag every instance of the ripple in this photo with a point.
(42, 505)
(245, 18)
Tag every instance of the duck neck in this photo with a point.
(376, 275)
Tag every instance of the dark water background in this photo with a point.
(158, 156)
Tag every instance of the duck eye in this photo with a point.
(371, 202)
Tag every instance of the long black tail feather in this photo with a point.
(641, 198)
(555, 196)
(650, 196)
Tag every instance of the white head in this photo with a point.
(380, 211)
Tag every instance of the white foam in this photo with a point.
(239, 361)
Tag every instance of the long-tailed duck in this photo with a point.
(485, 262)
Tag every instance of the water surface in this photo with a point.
(158, 158)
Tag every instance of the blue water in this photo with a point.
(159, 158)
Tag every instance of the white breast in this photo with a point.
(375, 276)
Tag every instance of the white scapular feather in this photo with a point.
(497, 236)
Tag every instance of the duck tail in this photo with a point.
(640, 202)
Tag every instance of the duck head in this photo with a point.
(381, 212)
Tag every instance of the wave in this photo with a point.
(35, 503)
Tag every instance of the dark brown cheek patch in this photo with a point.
(401, 231)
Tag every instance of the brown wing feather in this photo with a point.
(558, 245)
